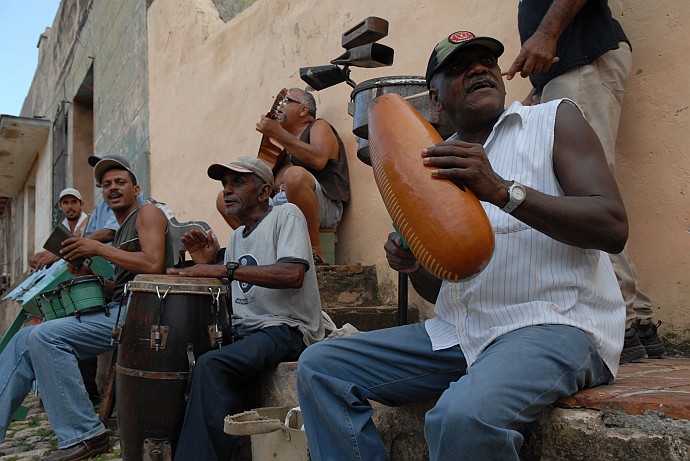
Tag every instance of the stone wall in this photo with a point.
(211, 81)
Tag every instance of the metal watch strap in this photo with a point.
(513, 202)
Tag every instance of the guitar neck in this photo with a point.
(270, 152)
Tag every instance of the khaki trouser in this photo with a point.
(598, 89)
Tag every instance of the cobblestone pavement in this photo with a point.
(32, 437)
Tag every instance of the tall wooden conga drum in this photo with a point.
(170, 322)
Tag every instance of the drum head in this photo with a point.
(147, 283)
(80, 280)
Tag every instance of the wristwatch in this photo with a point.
(516, 195)
(231, 265)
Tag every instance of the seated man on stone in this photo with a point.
(316, 178)
(542, 321)
(48, 352)
(275, 304)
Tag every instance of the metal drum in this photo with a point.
(49, 305)
(169, 323)
(82, 294)
(409, 87)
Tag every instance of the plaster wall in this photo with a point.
(111, 39)
(210, 81)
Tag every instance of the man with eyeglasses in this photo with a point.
(316, 178)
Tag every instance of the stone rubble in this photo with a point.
(32, 437)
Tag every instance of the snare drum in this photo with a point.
(82, 294)
(49, 305)
(170, 322)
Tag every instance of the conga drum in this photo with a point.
(170, 322)
(81, 295)
(50, 305)
(404, 85)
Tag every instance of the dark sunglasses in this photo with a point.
(288, 99)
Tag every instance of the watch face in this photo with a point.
(518, 193)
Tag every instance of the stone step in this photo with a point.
(643, 416)
(367, 318)
(354, 285)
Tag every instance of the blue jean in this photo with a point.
(225, 383)
(479, 409)
(48, 353)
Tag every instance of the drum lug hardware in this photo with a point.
(156, 450)
(115, 335)
(214, 332)
(215, 335)
(159, 336)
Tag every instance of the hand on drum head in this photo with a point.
(200, 270)
(42, 259)
(399, 258)
(466, 164)
(201, 247)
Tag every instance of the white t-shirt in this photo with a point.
(279, 236)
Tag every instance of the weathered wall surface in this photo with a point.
(92, 62)
(210, 82)
(94, 56)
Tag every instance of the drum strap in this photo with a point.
(117, 331)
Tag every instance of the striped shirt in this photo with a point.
(532, 279)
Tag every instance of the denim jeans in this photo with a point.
(479, 409)
(48, 353)
(225, 383)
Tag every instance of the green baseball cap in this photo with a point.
(450, 45)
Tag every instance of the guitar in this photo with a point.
(270, 152)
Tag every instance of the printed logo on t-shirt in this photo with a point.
(247, 260)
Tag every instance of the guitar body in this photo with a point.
(271, 152)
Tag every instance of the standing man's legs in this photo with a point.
(599, 89)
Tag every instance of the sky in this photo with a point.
(21, 24)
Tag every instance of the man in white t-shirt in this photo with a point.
(276, 309)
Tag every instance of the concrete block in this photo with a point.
(348, 285)
(369, 318)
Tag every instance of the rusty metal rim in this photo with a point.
(164, 375)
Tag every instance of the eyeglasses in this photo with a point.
(288, 99)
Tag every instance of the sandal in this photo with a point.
(318, 261)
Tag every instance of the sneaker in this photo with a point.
(633, 350)
(650, 340)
